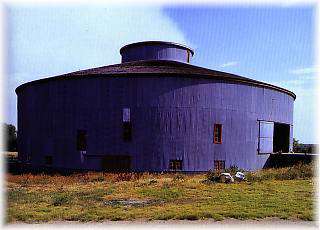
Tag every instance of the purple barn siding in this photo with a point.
(172, 118)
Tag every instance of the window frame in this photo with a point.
(174, 163)
(221, 165)
(217, 139)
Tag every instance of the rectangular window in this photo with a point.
(217, 134)
(81, 140)
(126, 115)
(126, 123)
(175, 165)
(48, 160)
(219, 165)
(127, 131)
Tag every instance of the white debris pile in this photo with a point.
(239, 176)
(226, 178)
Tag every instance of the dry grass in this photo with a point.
(11, 155)
(100, 196)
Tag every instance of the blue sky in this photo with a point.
(271, 44)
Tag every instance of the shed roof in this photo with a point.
(158, 67)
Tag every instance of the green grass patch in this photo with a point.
(165, 193)
(159, 197)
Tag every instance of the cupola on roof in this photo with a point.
(156, 50)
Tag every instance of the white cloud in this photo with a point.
(304, 77)
(303, 71)
(53, 40)
(293, 85)
(293, 82)
(46, 41)
(231, 63)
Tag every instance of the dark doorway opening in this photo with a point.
(281, 137)
(114, 163)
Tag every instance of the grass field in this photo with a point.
(99, 197)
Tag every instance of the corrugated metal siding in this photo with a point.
(172, 118)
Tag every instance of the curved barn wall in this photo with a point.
(172, 118)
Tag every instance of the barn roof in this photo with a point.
(158, 67)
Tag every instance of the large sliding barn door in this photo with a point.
(265, 144)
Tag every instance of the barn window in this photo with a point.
(81, 140)
(219, 165)
(48, 160)
(217, 134)
(175, 165)
(126, 115)
(126, 124)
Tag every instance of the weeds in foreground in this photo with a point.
(286, 193)
(299, 171)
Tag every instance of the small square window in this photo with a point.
(175, 165)
(219, 165)
(217, 134)
(48, 160)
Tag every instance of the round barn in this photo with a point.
(153, 112)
